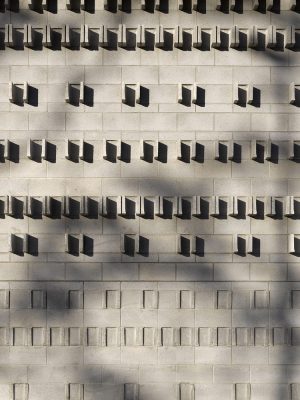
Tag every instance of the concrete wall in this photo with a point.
(149, 200)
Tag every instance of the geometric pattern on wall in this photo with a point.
(149, 199)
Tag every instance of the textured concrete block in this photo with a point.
(20, 391)
(242, 391)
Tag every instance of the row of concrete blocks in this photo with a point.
(154, 150)
(132, 391)
(135, 244)
(137, 94)
(149, 38)
(197, 5)
(224, 6)
(148, 207)
(149, 336)
(147, 299)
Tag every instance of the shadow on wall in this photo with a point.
(38, 319)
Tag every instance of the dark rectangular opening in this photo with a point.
(185, 152)
(224, 6)
(168, 41)
(241, 205)
(148, 208)
(129, 245)
(130, 40)
(32, 245)
(36, 151)
(260, 209)
(73, 245)
(162, 152)
(149, 6)
(260, 153)
(88, 246)
(187, 40)
(112, 6)
(126, 6)
(36, 208)
(186, 208)
(256, 247)
(200, 150)
(92, 208)
(167, 209)
(75, 6)
(163, 6)
(223, 152)
(55, 208)
(144, 246)
(186, 96)
(74, 208)
(125, 152)
(148, 152)
(296, 152)
(201, 6)
(111, 152)
(130, 208)
(112, 40)
(200, 246)
(185, 246)
(130, 96)
(187, 6)
(17, 208)
(237, 153)
(223, 209)
(111, 207)
(149, 40)
(241, 246)
(296, 209)
(17, 245)
(204, 209)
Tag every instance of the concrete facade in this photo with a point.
(149, 200)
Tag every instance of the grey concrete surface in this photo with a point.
(149, 200)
